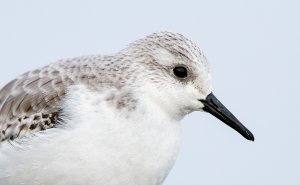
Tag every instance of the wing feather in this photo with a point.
(31, 102)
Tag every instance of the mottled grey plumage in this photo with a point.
(32, 102)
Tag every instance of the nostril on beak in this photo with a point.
(215, 104)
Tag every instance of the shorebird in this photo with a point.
(106, 120)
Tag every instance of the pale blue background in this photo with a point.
(252, 46)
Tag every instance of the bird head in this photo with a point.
(175, 74)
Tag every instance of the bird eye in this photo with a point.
(180, 72)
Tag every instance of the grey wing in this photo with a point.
(31, 103)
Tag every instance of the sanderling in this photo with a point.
(108, 120)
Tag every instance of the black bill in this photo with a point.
(216, 108)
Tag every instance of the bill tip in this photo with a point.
(250, 136)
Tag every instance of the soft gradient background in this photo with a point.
(252, 46)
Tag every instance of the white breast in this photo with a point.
(100, 145)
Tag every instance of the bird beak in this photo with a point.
(216, 108)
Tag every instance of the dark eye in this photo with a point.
(180, 72)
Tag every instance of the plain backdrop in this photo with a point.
(253, 49)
